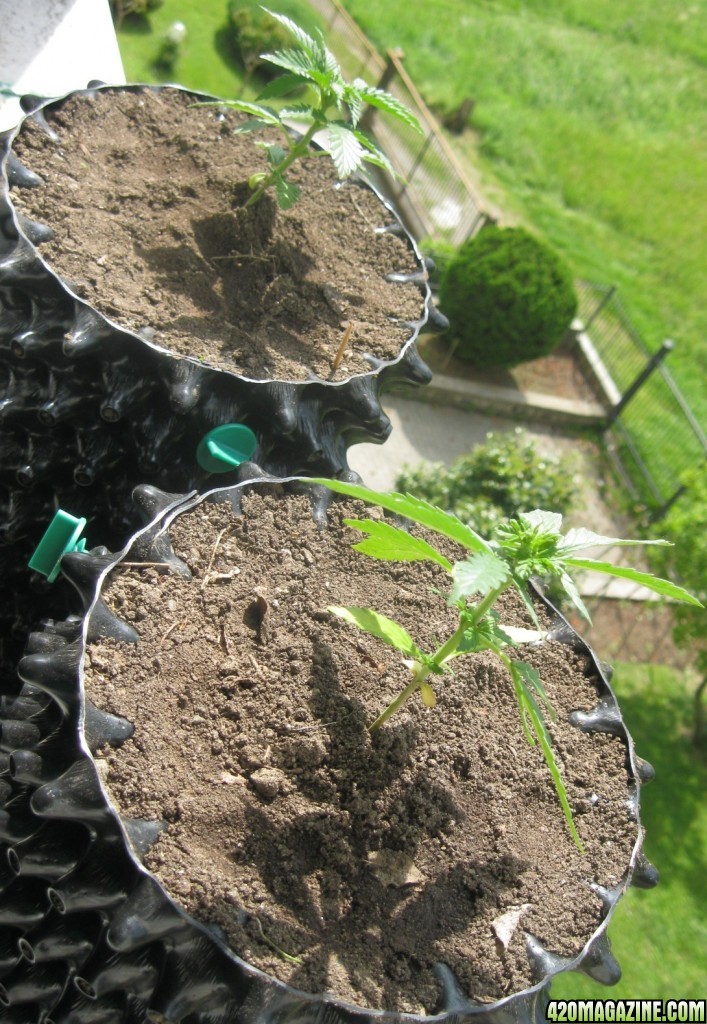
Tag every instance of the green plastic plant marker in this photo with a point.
(61, 536)
(225, 447)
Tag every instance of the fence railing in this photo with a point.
(655, 440)
(435, 197)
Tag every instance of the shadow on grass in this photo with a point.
(225, 47)
(135, 25)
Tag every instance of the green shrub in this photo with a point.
(498, 479)
(256, 32)
(509, 298)
(120, 8)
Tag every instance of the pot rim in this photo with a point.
(420, 277)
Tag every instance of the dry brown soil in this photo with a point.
(145, 193)
(333, 858)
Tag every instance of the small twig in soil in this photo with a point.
(341, 349)
(224, 641)
(290, 730)
(170, 630)
(254, 663)
(211, 559)
(360, 211)
(276, 949)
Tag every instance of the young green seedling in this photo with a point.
(523, 547)
(335, 111)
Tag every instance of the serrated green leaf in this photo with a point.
(545, 522)
(374, 155)
(337, 88)
(382, 162)
(353, 101)
(663, 587)
(480, 574)
(250, 126)
(378, 625)
(570, 589)
(345, 149)
(331, 64)
(384, 101)
(575, 540)
(266, 114)
(532, 719)
(281, 85)
(297, 62)
(531, 676)
(409, 507)
(300, 112)
(287, 192)
(302, 37)
(391, 544)
(276, 154)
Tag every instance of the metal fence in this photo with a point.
(655, 440)
(435, 197)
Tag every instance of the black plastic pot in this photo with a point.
(89, 409)
(89, 937)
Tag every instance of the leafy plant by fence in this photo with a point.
(656, 438)
(435, 197)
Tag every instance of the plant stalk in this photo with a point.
(297, 151)
(420, 675)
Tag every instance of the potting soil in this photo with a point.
(145, 193)
(332, 858)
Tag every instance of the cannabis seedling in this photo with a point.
(336, 111)
(526, 546)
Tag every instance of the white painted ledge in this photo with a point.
(49, 47)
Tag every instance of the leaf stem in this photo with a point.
(421, 673)
(487, 603)
(295, 152)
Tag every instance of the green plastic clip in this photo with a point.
(61, 536)
(225, 447)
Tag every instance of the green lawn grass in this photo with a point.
(660, 936)
(590, 125)
(206, 62)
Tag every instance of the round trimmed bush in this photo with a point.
(509, 298)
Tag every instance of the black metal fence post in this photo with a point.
(600, 305)
(652, 364)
